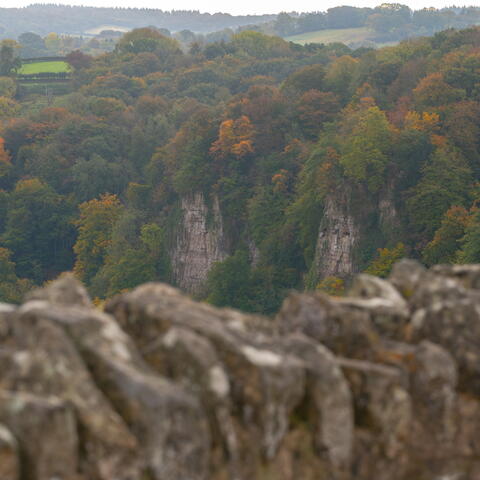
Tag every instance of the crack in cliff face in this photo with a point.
(199, 242)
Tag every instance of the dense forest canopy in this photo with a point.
(273, 139)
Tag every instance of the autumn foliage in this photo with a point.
(95, 224)
(276, 138)
(235, 138)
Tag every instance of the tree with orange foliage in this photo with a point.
(267, 109)
(426, 122)
(433, 91)
(235, 138)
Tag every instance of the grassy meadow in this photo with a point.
(44, 67)
(344, 35)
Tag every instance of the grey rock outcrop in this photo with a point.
(353, 220)
(337, 237)
(382, 384)
(200, 242)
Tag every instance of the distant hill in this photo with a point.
(386, 24)
(43, 19)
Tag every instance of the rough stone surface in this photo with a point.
(329, 393)
(337, 237)
(380, 385)
(343, 325)
(200, 242)
(9, 455)
(406, 276)
(164, 418)
(46, 431)
(245, 370)
(64, 291)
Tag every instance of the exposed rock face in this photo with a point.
(382, 384)
(200, 242)
(253, 253)
(337, 237)
(352, 219)
(389, 220)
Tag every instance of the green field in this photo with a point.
(116, 28)
(44, 67)
(348, 36)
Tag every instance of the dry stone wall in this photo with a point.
(382, 384)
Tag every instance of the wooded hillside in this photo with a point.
(244, 169)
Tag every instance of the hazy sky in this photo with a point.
(239, 7)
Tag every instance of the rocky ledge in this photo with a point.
(383, 384)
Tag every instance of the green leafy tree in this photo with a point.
(470, 243)
(9, 61)
(340, 76)
(446, 243)
(143, 40)
(146, 261)
(38, 230)
(228, 282)
(305, 79)
(96, 176)
(446, 181)
(12, 288)
(95, 224)
(365, 151)
(234, 283)
(260, 46)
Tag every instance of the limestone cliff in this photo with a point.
(337, 237)
(199, 241)
(353, 220)
(388, 217)
(383, 384)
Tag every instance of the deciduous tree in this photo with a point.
(95, 224)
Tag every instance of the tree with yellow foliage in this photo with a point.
(97, 218)
(383, 263)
